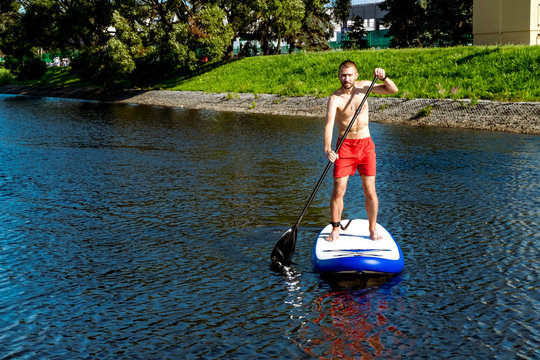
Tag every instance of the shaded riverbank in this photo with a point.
(519, 117)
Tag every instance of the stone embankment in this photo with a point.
(519, 117)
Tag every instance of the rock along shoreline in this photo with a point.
(518, 117)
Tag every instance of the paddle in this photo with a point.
(284, 249)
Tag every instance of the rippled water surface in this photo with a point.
(143, 232)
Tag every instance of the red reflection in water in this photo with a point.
(352, 327)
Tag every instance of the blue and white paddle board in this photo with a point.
(355, 252)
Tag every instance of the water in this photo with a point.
(141, 232)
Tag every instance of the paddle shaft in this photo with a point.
(312, 196)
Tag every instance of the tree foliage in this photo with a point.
(317, 27)
(356, 35)
(341, 10)
(450, 22)
(419, 23)
(277, 20)
(407, 21)
(112, 41)
(17, 31)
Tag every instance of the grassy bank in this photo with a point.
(507, 73)
(502, 73)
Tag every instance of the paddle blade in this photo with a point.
(284, 249)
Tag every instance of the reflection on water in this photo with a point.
(145, 232)
(348, 321)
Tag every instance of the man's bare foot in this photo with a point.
(333, 235)
(374, 235)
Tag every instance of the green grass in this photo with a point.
(57, 76)
(502, 73)
(424, 111)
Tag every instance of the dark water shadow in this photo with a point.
(100, 94)
(354, 282)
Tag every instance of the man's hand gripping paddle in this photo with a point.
(284, 249)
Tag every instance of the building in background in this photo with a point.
(506, 22)
(371, 13)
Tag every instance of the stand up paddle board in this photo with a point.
(355, 252)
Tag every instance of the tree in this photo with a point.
(240, 16)
(341, 10)
(80, 24)
(428, 22)
(54, 26)
(154, 39)
(450, 22)
(288, 19)
(316, 29)
(213, 36)
(22, 33)
(113, 40)
(406, 20)
(277, 20)
(86, 30)
(356, 35)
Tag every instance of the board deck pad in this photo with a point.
(354, 251)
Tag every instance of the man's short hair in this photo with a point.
(347, 63)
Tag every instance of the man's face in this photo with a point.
(348, 76)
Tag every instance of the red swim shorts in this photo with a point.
(355, 154)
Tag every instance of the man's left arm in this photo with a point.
(388, 86)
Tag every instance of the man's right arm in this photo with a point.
(329, 128)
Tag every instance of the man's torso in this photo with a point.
(346, 105)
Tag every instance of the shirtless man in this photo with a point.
(358, 150)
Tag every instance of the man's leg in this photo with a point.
(372, 205)
(336, 204)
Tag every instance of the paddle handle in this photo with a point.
(312, 196)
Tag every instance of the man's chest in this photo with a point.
(348, 107)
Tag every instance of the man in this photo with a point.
(358, 150)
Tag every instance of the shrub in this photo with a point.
(426, 111)
(5, 76)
